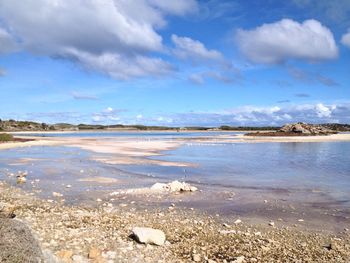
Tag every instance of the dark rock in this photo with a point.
(17, 244)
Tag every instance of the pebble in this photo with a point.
(196, 257)
(239, 259)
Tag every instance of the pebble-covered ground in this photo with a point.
(102, 234)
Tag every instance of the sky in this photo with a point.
(175, 63)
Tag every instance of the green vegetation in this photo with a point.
(4, 137)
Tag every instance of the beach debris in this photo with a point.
(68, 186)
(56, 194)
(147, 235)
(174, 186)
(94, 253)
(21, 180)
(65, 255)
(300, 220)
(239, 259)
(271, 223)
(238, 221)
(98, 200)
(196, 257)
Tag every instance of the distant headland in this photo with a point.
(15, 126)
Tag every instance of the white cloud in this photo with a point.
(187, 48)
(120, 66)
(287, 39)
(7, 43)
(93, 32)
(345, 40)
(139, 117)
(108, 110)
(269, 115)
(179, 7)
(196, 78)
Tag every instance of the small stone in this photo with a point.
(65, 254)
(238, 221)
(300, 220)
(271, 223)
(79, 259)
(239, 259)
(55, 194)
(98, 200)
(94, 253)
(148, 235)
(21, 180)
(68, 186)
(196, 257)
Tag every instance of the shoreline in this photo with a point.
(74, 231)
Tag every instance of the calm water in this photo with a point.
(133, 134)
(310, 166)
(300, 166)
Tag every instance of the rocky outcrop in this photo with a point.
(306, 129)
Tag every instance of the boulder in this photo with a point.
(17, 243)
(148, 235)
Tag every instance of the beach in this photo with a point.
(213, 224)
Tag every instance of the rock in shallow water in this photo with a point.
(148, 235)
(174, 186)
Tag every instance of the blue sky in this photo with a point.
(175, 63)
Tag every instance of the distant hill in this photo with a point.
(13, 125)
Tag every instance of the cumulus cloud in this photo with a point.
(200, 77)
(272, 115)
(335, 10)
(7, 42)
(107, 115)
(188, 48)
(93, 32)
(287, 39)
(345, 40)
(121, 67)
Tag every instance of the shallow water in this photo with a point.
(133, 134)
(321, 166)
(303, 180)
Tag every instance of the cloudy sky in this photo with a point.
(176, 63)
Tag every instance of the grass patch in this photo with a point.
(4, 137)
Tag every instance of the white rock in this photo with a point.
(238, 221)
(148, 235)
(158, 187)
(239, 259)
(271, 223)
(21, 180)
(55, 194)
(196, 257)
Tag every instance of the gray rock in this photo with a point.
(17, 244)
